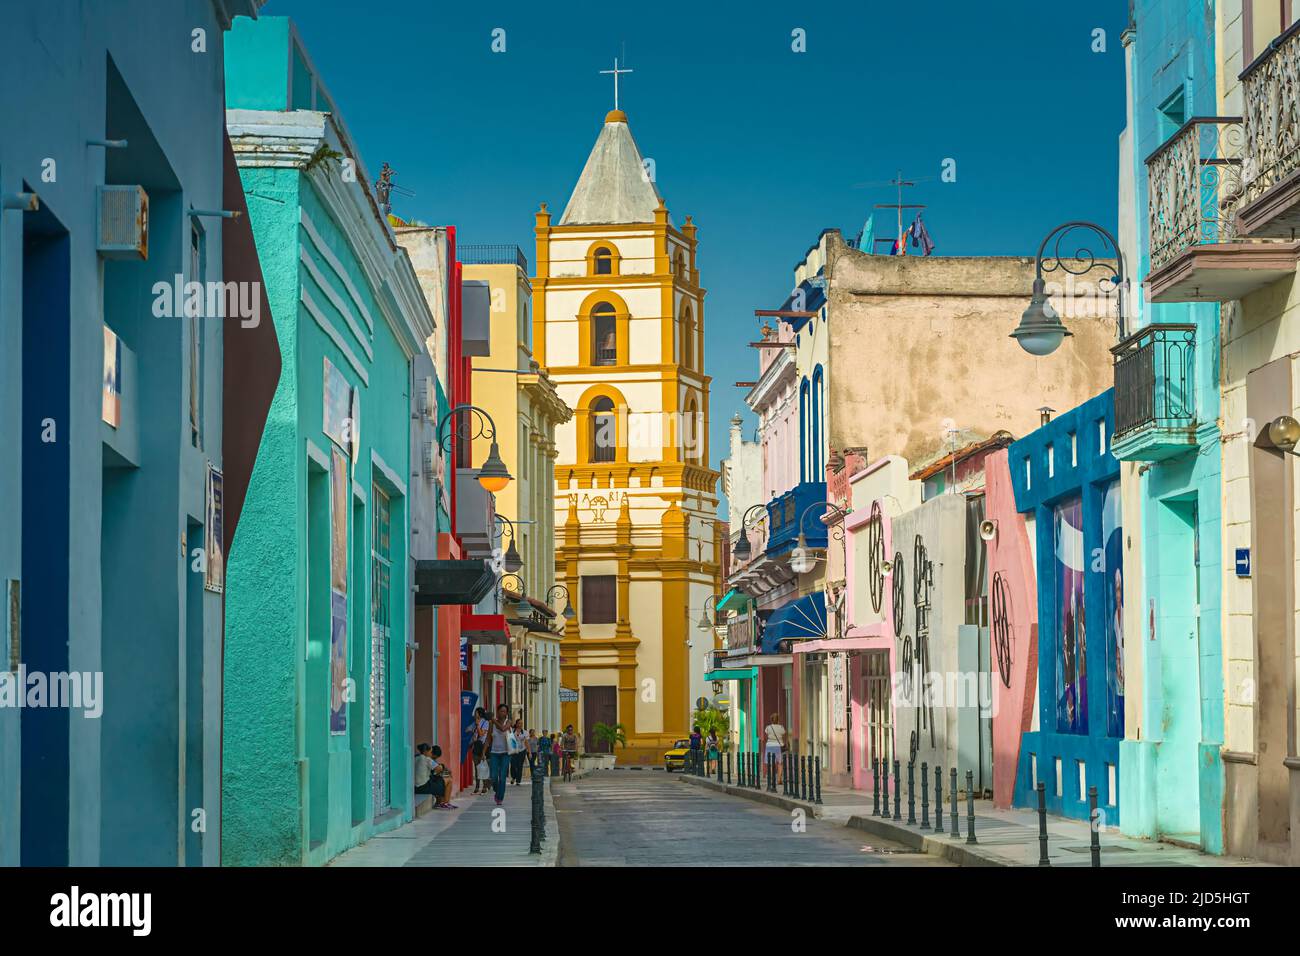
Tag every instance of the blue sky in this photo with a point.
(763, 146)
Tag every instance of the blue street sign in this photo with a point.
(1243, 562)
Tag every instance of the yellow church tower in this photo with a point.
(618, 324)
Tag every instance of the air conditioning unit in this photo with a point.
(122, 222)
(430, 464)
(428, 399)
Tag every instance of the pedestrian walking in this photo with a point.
(479, 731)
(518, 751)
(711, 748)
(531, 744)
(697, 748)
(775, 743)
(498, 751)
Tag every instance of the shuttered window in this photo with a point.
(599, 599)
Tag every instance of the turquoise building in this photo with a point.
(317, 732)
(1166, 425)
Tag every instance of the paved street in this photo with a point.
(650, 818)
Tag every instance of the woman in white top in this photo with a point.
(774, 735)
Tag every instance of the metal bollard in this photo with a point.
(803, 778)
(970, 807)
(938, 800)
(898, 791)
(875, 786)
(884, 787)
(772, 779)
(956, 832)
(818, 778)
(719, 766)
(1042, 825)
(925, 795)
(1095, 848)
(785, 774)
(728, 767)
(911, 793)
(535, 843)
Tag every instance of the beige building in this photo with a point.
(523, 401)
(618, 325)
(920, 346)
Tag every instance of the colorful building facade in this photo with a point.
(618, 325)
(317, 706)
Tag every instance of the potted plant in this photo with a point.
(610, 734)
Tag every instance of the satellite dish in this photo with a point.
(988, 529)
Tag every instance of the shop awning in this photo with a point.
(503, 669)
(842, 644)
(803, 619)
(735, 600)
(484, 629)
(446, 582)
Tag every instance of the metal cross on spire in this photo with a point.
(616, 71)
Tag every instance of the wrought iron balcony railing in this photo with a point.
(1155, 381)
(1271, 91)
(490, 254)
(1194, 187)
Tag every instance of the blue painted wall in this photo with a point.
(98, 543)
(1087, 472)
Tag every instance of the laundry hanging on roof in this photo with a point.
(867, 237)
(920, 236)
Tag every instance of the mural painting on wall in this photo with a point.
(1112, 569)
(915, 653)
(1071, 648)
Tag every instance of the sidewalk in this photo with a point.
(466, 836)
(1005, 837)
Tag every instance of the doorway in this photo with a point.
(599, 706)
(1178, 643)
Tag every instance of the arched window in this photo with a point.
(804, 428)
(604, 335)
(692, 432)
(603, 261)
(604, 430)
(688, 337)
(679, 266)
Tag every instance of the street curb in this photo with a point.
(959, 853)
(758, 796)
(914, 839)
(550, 855)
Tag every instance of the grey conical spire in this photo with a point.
(614, 186)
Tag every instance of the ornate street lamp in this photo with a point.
(568, 613)
(800, 561)
(512, 562)
(706, 622)
(743, 550)
(523, 610)
(476, 423)
(1041, 331)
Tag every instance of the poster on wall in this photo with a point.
(838, 681)
(214, 573)
(1112, 540)
(338, 663)
(338, 522)
(1071, 647)
(338, 407)
(112, 409)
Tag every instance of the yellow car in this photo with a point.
(675, 759)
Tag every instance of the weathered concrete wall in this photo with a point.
(920, 345)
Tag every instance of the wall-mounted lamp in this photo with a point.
(1281, 435)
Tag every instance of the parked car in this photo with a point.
(675, 759)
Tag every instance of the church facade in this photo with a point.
(618, 324)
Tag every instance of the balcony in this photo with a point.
(1270, 205)
(1195, 186)
(492, 254)
(1155, 393)
(784, 512)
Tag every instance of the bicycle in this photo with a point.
(567, 770)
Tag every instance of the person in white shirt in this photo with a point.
(431, 775)
(775, 743)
